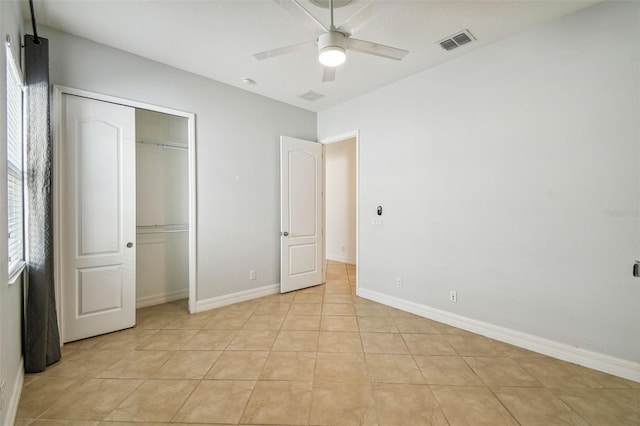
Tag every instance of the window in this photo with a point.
(15, 194)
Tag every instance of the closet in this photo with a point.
(162, 208)
(124, 182)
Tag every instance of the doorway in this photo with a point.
(162, 208)
(341, 155)
(94, 145)
(304, 205)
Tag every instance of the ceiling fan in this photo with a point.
(332, 42)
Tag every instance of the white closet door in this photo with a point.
(98, 225)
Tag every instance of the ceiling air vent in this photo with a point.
(311, 96)
(456, 40)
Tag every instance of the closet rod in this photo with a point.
(162, 229)
(170, 145)
(170, 231)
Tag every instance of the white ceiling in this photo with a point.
(217, 38)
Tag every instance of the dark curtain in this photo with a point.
(41, 338)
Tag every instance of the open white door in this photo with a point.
(301, 183)
(98, 227)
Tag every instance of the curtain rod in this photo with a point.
(36, 40)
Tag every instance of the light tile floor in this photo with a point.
(320, 356)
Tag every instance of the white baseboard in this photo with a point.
(597, 361)
(12, 407)
(241, 296)
(342, 259)
(157, 299)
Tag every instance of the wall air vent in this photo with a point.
(311, 96)
(456, 40)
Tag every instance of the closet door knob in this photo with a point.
(285, 233)
(129, 245)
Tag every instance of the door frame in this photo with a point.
(354, 134)
(58, 92)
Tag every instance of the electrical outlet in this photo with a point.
(453, 296)
(399, 282)
(252, 274)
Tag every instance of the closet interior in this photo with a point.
(162, 203)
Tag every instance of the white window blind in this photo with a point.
(15, 193)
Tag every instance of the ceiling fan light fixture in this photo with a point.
(331, 48)
(332, 56)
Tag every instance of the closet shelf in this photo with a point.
(163, 144)
(162, 229)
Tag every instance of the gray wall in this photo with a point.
(237, 145)
(511, 175)
(10, 296)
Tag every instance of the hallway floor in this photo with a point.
(319, 356)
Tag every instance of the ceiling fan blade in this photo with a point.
(357, 19)
(301, 14)
(376, 49)
(283, 50)
(328, 74)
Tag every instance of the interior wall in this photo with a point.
(510, 175)
(237, 150)
(162, 208)
(11, 23)
(340, 200)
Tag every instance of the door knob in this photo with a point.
(129, 245)
(285, 233)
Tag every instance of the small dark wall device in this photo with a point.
(379, 210)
